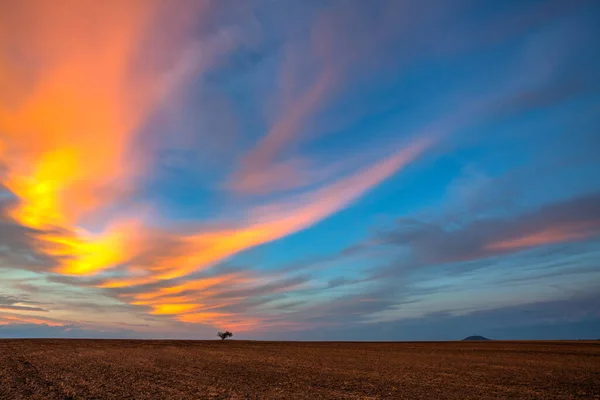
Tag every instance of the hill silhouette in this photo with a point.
(475, 338)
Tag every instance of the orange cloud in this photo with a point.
(279, 220)
(80, 88)
(84, 253)
(177, 308)
(274, 221)
(193, 285)
(226, 320)
(191, 301)
(66, 135)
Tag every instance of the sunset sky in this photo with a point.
(300, 169)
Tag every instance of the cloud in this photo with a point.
(80, 114)
(79, 101)
(569, 318)
(563, 319)
(83, 140)
(26, 330)
(262, 170)
(88, 112)
(341, 281)
(566, 221)
(15, 303)
(259, 171)
(20, 246)
(197, 251)
(313, 71)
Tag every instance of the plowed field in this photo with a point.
(130, 369)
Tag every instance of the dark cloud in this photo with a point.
(83, 281)
(341, 281)
(438, 250)
(546, 97)
(19, 245)
(354, 307)
(565, 319)
(176, 330)
(21, 308)
(286, 306)
(26, 331)
(560, 222)
(279, 294)
(19, 304)
(552, 270)
(277, 286)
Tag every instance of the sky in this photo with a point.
(300, 169)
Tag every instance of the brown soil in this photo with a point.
(130, 369)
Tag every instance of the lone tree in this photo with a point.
(224, 335)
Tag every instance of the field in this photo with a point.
(128, 369)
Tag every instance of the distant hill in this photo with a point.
(475, 338)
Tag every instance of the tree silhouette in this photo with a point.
(224, 335)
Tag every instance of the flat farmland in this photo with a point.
(140, 369)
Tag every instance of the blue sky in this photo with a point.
(310, 170)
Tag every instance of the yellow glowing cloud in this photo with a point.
(78, 92)
(176, 308)
(69, 122)
(65, 137)
(85, 253)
